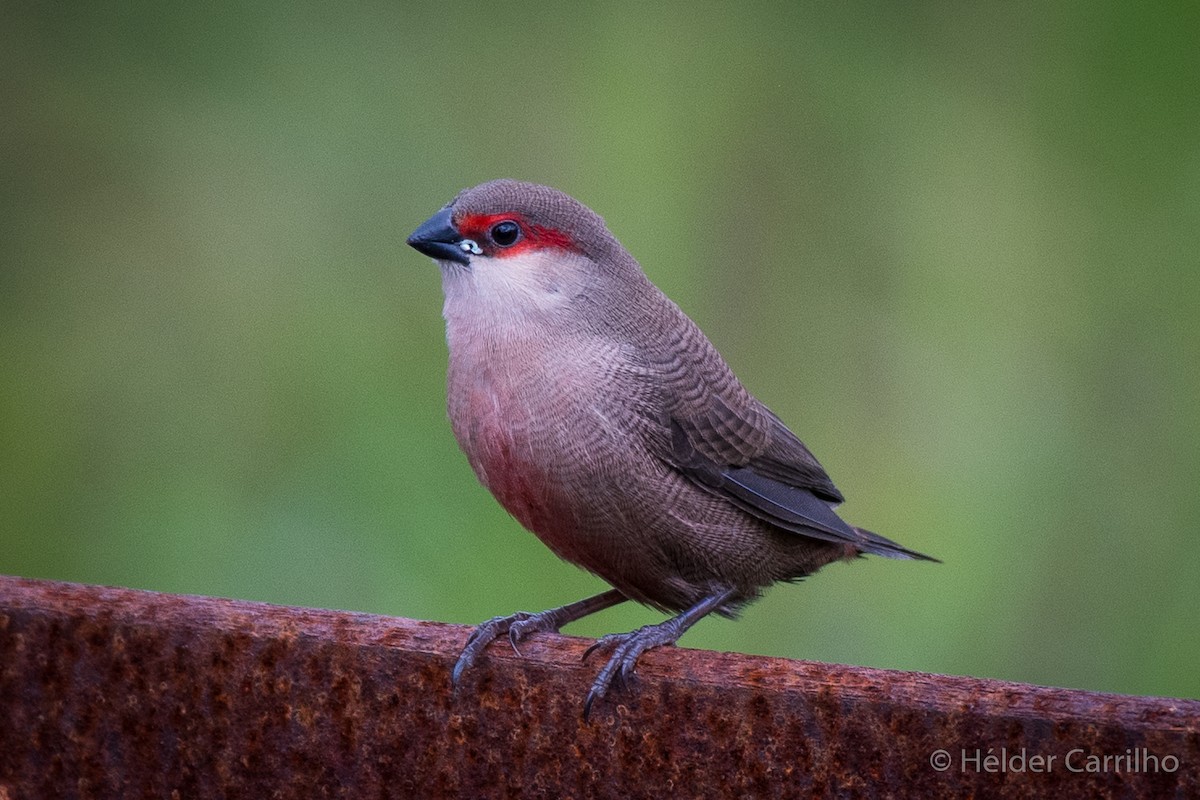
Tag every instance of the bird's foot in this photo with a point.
(627, 648)
(523, 624)
(518, 626)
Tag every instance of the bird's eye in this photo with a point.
(505, 233)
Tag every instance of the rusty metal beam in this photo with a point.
(118, 693)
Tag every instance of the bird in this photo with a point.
(600, 416)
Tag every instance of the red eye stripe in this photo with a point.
(533, 237)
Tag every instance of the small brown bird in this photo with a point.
(601, 417)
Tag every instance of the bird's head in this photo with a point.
(513, 249)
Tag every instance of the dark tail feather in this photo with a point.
(877, 545)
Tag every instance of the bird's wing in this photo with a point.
(728, 443)
(732, 429)
(755, 467)
(780, 483)
(742, 452)
(699, 419)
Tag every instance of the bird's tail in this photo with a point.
(878, 545)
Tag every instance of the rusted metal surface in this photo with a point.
(119, 693)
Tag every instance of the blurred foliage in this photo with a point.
(954, 245)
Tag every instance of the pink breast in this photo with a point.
(513, 481)
(506, 463)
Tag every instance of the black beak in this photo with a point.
(437, 238)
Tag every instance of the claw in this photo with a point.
(477, 642)
(629, 647)
(604, 642)
(517, 626)
(522, 624)
(587, 704)
(619, 669)
(596, 645)
(526, 626)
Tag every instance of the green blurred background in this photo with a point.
(954, 245)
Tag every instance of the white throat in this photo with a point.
(510, 296)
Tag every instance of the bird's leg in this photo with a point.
(628, 647)
(520, 625)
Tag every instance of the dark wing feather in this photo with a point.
(706, 425)
(793, 508)
(788, 507)
(787, 460)
(801, 511)
(753, 437)
(773, 477)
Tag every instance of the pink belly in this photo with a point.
(518, 486)
(507, 464)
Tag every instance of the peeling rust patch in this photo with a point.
(118, 693)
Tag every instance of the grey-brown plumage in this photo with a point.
(605, 421)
